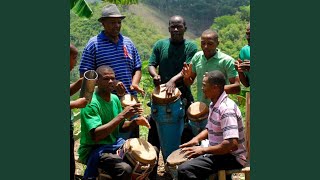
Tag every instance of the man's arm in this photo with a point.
(225, 147)
(74, 87)
(136, 80)
(105, 130)
(234, 86)
(156, 77)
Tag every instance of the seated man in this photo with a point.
(101, 121)
(224, 130)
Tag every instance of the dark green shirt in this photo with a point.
(170, 58)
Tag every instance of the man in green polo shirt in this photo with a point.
(101, 121)
(210, 59)
(243, 63)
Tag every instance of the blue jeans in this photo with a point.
(94, 161)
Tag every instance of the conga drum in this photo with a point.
(168, 113)
(141, 155)
(197, 114)
(128, 100)
(176, 158)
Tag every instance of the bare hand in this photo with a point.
(120, 89)
(142, 121)
(186, 70)
(136, 87)
(245, 65)
(170, 87)
(192, 142)
(192, 152)
(79, 103)
(132, 110)
(156, 80)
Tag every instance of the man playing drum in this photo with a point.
(224, 130)
(169, 55)
(209, 59)
(101, 121)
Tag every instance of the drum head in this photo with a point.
(141, 150)
(128, 100)
(198, 111)
(159, 95)
(176, 158)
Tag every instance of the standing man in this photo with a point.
(101, 121)
(224, 130)
(113, 49)
(169, 55)
(243, 63)
(209, 59)
(78, 103)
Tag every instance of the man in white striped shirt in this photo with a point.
(224, 130)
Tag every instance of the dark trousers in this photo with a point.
(72, 162)
(203, 166)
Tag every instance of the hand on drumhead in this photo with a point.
(156, 80)
(170, 88)
(193, 152)
(192, 142)
(120, 89)
(142, 121)
(135, 87)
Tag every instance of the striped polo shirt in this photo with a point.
(225, 122)
(122, 57)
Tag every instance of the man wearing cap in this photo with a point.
(113, 49)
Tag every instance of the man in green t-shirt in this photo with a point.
(101, 121)
(210, 59)
(243, 63)
(168, 55)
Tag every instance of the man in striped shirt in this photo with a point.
(224, 130)
(113, 49)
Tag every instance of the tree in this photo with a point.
(82, 9)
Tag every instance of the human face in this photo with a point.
(106, 81)
(112, 26)
(73, 60)
(210, 91)
(177, 29)
(209, 45)
(248, 34)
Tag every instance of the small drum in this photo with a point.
(128, 100)
(197, 114)
(176, 158)
(141, 155)
(168, 113)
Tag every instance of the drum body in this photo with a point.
(141, 155)
(198, 117)
(128, 100)
(168, 114)
(176, 158)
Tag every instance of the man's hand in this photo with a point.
(170, 87)
(79, 103)
(132, 110)
(120, 89)
(186, 70)
(192, 142)
(142, 121)
(193, 152)
(156, 80)
(242, 66)
(135, 87)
